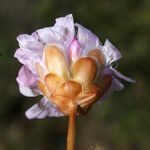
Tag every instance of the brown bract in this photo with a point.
(66, 85)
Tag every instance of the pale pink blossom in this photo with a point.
(31, 52)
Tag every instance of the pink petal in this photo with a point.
(110, 52)
(74, 50)
(43, 109)
(28, 42)
(67, 27)
(26, 77)
(28, 91)
(118, 74)
(47, 35)
(36, 36)
(87, 39)
(55, 35)
(68, 23)
(27, 82)
(61, 33)
(28, 58)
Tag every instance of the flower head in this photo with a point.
(66, 68)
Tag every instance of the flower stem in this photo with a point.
(71, 128)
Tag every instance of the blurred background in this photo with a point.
(120, 123)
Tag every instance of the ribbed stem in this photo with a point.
(71, 128)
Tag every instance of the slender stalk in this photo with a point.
(71, 128)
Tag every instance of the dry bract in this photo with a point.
(72, 85)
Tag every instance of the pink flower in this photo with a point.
(66, 68)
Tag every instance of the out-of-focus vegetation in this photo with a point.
(120, 123)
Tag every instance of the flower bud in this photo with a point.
(74, 50)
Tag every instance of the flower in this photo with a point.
(66, 68)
